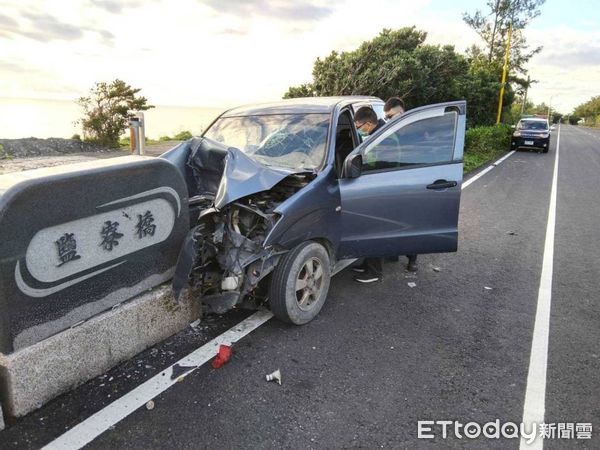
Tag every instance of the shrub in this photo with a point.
(4, 154)
(76, 137)
(183, 136)
(483, 144)
(125, 141)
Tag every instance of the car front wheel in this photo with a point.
(300, 283)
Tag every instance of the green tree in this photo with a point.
(106, 110)
(492, 26)
(398, 62)
(589, 111)
(304, 90)
(481, 88)
(557, 117)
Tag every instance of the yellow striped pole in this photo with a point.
(504, 72)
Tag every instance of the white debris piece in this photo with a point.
(150, 405)
(275, 376)
(195, 323)
(411, 284)
(487, 288)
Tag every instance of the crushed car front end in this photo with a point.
(248, 219)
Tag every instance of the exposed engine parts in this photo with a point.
(230, 259)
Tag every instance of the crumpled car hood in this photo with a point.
(243, 176)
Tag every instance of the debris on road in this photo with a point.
(179, 370)
(436, 269)
(275, 376)
(223, 356)
(150, 405)
(511, 233)
(195, 324)
(412, 284)
(487, 288)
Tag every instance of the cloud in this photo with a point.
(106, 35)
(234, 32)
(46, 27)
(13, 68)
(6, 21)
(580, 56)
(283, 9)
(115, 6)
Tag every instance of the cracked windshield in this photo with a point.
(293, 141)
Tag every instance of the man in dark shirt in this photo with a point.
(394, 106)
(367, 123)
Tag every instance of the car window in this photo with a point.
(377, 107)
(296, 141)
(426, 141)
(533, 125)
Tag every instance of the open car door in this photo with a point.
(407, 196)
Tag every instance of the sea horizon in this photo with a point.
(45, 118)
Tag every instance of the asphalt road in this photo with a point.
(381, 357)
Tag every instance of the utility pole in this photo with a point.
(550, 108)
(525, 96)
(504, 72)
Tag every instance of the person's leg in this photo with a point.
(361, 267)
(374, 271)
(412, 263)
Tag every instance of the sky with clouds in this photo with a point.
(226, 52)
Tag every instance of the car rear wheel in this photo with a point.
(300, 283)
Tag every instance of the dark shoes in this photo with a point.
(412, 263)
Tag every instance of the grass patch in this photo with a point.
(484, 144)
(4, 154)
(181, 136)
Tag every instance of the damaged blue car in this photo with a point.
(284, 195)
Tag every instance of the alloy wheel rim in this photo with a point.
(309, 283)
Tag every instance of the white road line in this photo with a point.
(486, 170)
(95, 425)
(88, 430)
(535, 393)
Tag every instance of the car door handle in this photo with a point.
(442, 184)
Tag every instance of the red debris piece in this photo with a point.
(223, 356)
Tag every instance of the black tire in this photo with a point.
(300, 306)
(546, 150)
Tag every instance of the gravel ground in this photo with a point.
(36, 162)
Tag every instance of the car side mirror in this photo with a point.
(353, 166)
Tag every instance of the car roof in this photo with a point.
(305, 105)
(535, 119)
